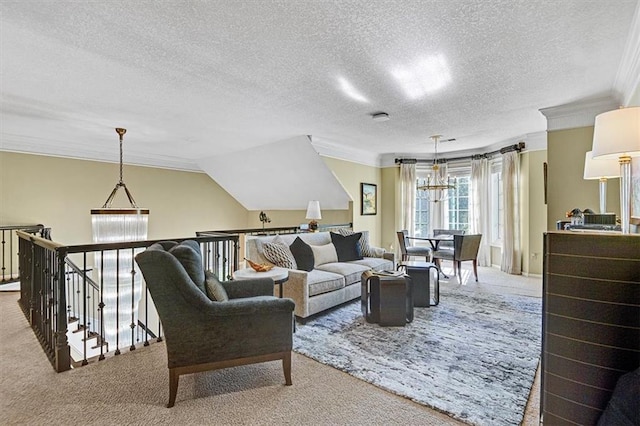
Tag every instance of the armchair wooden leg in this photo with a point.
(173, 387)
(286, 366)
(475, 268)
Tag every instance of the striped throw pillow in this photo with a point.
(280, 255)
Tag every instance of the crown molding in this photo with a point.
(536, 141)
(628, 77)
(34, 146)
(331, 149)
(577, 114)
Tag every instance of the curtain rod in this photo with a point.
(516, 147)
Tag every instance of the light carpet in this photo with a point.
(474, 356)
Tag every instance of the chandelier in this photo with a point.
(117, 273)
(436, 186)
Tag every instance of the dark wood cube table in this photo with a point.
(423, 276)
(386, 300)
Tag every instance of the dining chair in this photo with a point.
(408, 250)
(447, 244)
(465, 247)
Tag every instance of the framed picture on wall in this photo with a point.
(368, 199)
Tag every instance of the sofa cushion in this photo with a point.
(319, 282)
(303, 254)
(375, 263)
(279, 254)
(324, 254)
(351, 271)
(347, 247)
(188, 254)
(365, 248)
(215, 290)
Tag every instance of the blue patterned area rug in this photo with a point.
(473, 356)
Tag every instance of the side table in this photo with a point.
(423, 275)
(278, 275)
(386, 300)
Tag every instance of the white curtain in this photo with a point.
(408, 196)
(481, 208)
(436, 208)
(511, 249)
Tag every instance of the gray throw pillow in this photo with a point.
(215, 289)
(188, 254)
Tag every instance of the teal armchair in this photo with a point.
(253, 326)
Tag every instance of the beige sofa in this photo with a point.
(328, 284)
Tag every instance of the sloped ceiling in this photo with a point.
(283, 175)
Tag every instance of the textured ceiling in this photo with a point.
(195, 79)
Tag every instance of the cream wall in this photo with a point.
(60, 192)
(390, 208)
(566, 188)
(533, 210)
(350, 176)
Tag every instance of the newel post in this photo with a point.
(33, 302)
(62, 350)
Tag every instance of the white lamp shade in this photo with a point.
(313, 210)
(617, 133)
(600, 168)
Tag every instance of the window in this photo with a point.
(456, 208)
(458, 204)
(421, 226)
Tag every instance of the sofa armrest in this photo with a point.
(237, 289)
(389, 256)
(297, 289)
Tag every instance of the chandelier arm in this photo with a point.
(129, 196)
(107, 204)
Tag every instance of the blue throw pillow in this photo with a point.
(303, 254)
(347, 247)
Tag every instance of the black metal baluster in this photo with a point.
(84, 312)
(117, 302)
(133, 296)
(101, 307)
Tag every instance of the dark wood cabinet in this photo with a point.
(591, 322)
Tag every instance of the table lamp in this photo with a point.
(313, 213)
(616, 135)
(602, 170)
